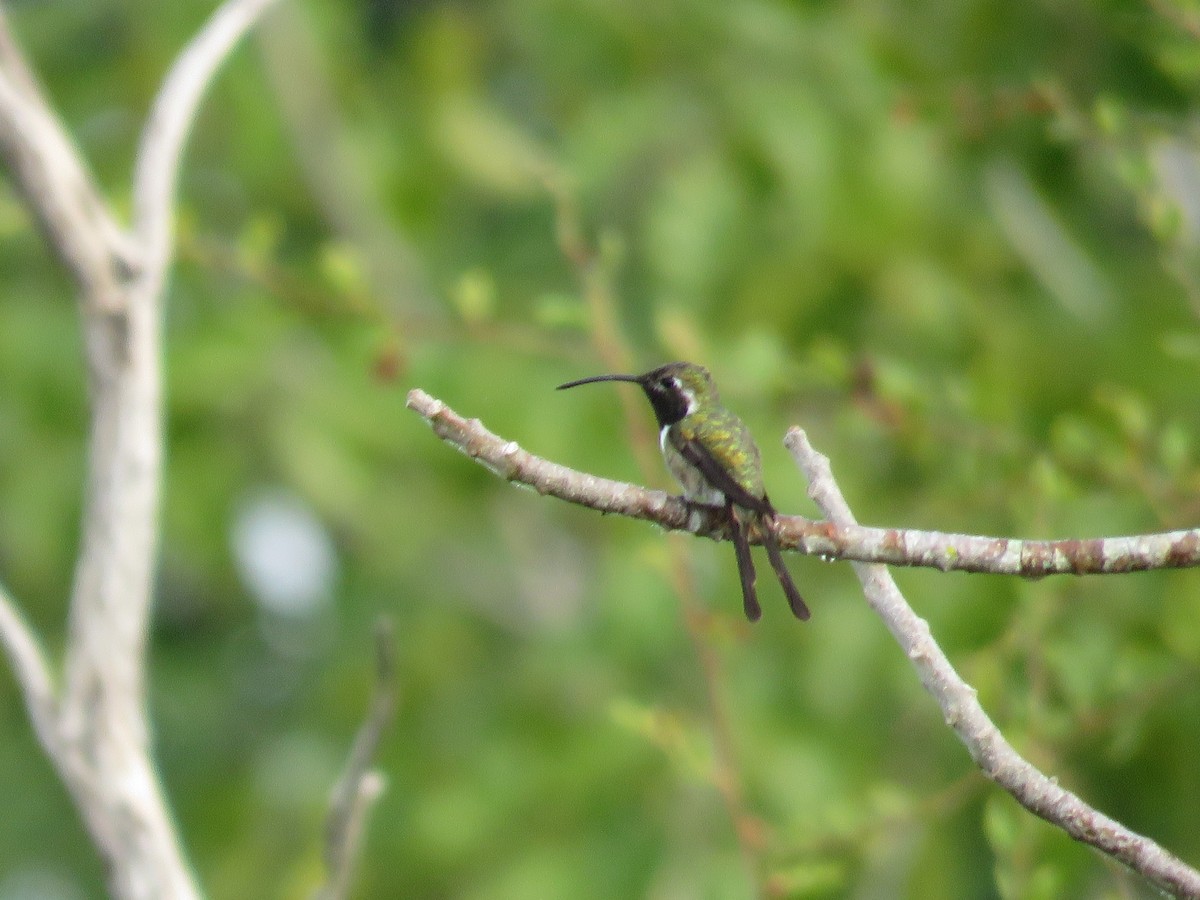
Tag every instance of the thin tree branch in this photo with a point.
(171, 117)
(56, 186)
(960, 707)
(360, 785)
(828, 540)
(997, 759)
(102, 752)
(32, 672)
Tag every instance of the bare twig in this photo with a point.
(992, 753)
(997, 759)
(98, 740)
(828, 540)
(359, 785)
(33, 674)
(509, 461)
(56, 186)
(171, 119)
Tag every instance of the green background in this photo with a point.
(956, 242)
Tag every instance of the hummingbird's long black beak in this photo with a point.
(636, 379)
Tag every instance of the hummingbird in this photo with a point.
(710, 452)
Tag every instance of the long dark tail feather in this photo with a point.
(795, 601)
(741, 546)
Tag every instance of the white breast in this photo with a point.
(695, 486)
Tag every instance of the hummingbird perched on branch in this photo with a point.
(710, 452)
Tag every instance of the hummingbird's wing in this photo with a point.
(716, 474)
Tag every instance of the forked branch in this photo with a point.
(994, 755)
(360, 783)
(841, 537)
(827, 539)
(92, 721)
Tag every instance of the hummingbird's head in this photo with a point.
(674, 390)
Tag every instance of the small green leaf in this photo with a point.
(343, 269)
(474, 296)
(561, 311)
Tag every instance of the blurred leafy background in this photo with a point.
(957, 242)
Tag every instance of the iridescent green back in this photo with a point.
(725, 436)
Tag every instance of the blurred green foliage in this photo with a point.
(958, 243)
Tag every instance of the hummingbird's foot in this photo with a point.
(699, 513)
